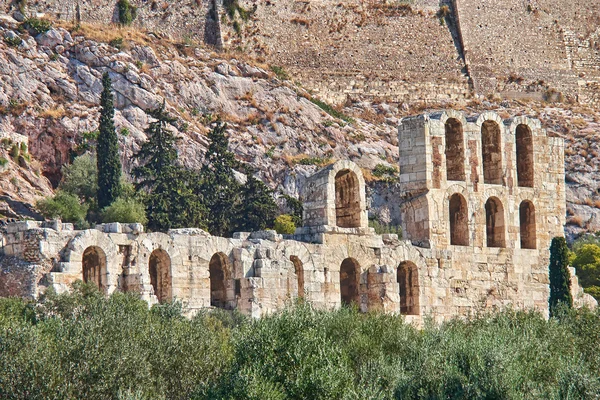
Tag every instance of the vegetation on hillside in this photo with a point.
(83, 345)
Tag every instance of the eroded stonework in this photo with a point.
(481, 200)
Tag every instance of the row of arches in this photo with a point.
(159, 269)
(494, 222)
(491, 152)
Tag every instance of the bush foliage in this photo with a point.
(83, 345)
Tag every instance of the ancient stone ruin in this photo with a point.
(481, 200)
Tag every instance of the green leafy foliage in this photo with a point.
(381, 228)
(257, 210)
(586, 261)
(294, 208)
(37, 25)
(284, 224)
(109, 164)
(65, 206)
(331, 111)
(126, 211)
(280, 72)
(83, 345)
(560, 277)
(80, 178)
(127, 12)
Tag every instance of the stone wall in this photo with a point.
(327, 262)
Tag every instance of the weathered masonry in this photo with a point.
(481, 200)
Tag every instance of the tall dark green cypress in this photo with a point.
(560, 277)
(108, 162)
(258, 210)
(171, 192)
(220, 190)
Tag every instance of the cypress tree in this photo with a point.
(560, 277)
(258, 210)
(171, 199)
(221, 191)
(108, 163)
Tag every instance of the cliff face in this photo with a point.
(50, 86)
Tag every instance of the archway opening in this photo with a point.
(347, 199)
(527, 224)
(350, 281)
(455, 150)
(491, 148)
(459, 221)
(299, 270)
(494, 223)
(94, 267)
(408, 282)
(220, 274)
(159, 268)
(524, 140)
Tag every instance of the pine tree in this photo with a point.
(108, 162)
(171, 192)
(221, 191)
(258, 210)
(560, 277)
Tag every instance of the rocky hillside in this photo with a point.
(50, 87)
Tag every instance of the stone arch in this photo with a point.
(350, 281)
(459, 220)
(159, 269)
(491, 149)
(494, 223)
(407, 276)
(527, 225)
(525, 160)
(94, 269)
(299, 270)
(347, 199)
(455, 150)
(220, 274)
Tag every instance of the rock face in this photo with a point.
(50, 93)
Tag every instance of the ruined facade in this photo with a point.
(481, 200)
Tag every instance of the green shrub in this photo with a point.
(38, 25)
(280, 72)
(381, 229)
(331, 111)
(14, 41)
(23, 148)
(313, 161)
(3, 162)
(125, 211)
(127, 12)
(117, 43)
(64, 206)
(14, 151)
(80, 178)
(284, 224)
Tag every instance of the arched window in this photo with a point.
(527, 224)
(299, 269)
(455, 150)
(459, 221)
(350, 281)
(347, 199)
(408, 282)
(492, 152)
(494, 223)
(220, 274)
(159, 267)
(524, 156)
(94, 267)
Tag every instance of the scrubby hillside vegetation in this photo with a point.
(83, 345)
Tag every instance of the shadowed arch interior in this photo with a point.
(527, 225)
(408, 282)
(347, 199)
(94, 267)
(299, 270)
(524, 140)
(220, 274)
(491, 152)
(459, 221)
(494, 223)
(455, 150)
(159, 267)
(349, 281)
